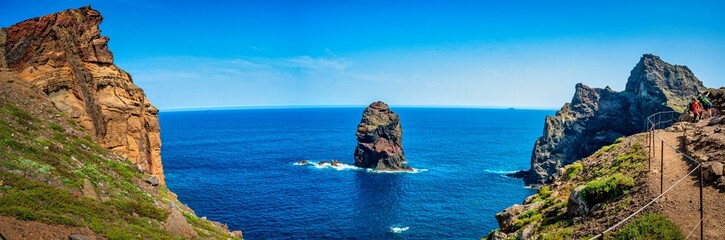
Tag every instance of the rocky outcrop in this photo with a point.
(65, 55)
(379, 140)
(597, 117)
(176, 223)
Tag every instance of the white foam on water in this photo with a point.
(398, 229)
(415, 170)
(498, 171)
(347, 167)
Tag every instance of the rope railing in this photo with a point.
(652, 124)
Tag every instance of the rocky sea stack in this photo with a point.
(597, 117)
(379, 140)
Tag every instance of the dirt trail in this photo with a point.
(681, 204)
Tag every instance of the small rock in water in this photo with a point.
(302, 162)
(335, 163)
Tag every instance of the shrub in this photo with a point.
(650, 226)
(544, 193)
(56, 127)
(572, 170)
(601, 190)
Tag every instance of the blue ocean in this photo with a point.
(237, 167)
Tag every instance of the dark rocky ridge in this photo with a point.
(597, 117)
(380, 142)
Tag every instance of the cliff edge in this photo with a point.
(67, 58)
(79, 142)
(597, 117)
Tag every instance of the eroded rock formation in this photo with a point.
(379, 137)
(597, 117)
(65, 55)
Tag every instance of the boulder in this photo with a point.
(302, 162)
(380, 142)
(499, 235)
(153, 180)
(177, 224)
(89, 190)
(237, 234)
(77, 236)
(715, 121)
(712, 171)
(576, 206)
(509, 215)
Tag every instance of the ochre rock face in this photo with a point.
(65, 55)
(379, 137)
(597, 117)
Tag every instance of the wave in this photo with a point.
(498, 171)
(398, 229)
(348, 167)
(415, 170)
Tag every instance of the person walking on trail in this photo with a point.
(695, 108)
(705, 104)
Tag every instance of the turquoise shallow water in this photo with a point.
(236, 166)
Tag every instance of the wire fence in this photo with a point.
(653, 123)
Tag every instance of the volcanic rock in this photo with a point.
(379, 137)
(597, 117)
(65, 55)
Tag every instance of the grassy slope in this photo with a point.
(614, 178)
(43, 167)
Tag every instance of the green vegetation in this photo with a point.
(602, 190)
(650, 226)
(38, 201)
(56, 127)
(572, 170)
(525, 218)
(543, 194)
(43, 171)
(630, 162)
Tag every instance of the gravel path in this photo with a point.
(681, 204)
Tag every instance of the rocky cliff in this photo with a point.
(380, 141)
(79, 142)
(596, 117)
(65, 55)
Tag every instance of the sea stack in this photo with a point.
(380, 140)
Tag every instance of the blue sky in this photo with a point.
(526, 54)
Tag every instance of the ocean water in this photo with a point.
(237, 167)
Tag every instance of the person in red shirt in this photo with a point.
(695, 108)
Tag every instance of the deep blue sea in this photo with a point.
(236, 167)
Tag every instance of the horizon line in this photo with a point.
(218, 108)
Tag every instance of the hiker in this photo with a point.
(695, 109)
(705, 103)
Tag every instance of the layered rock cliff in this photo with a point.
(65, 55)
(79, 142)
(380, 141)
(596, 117)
